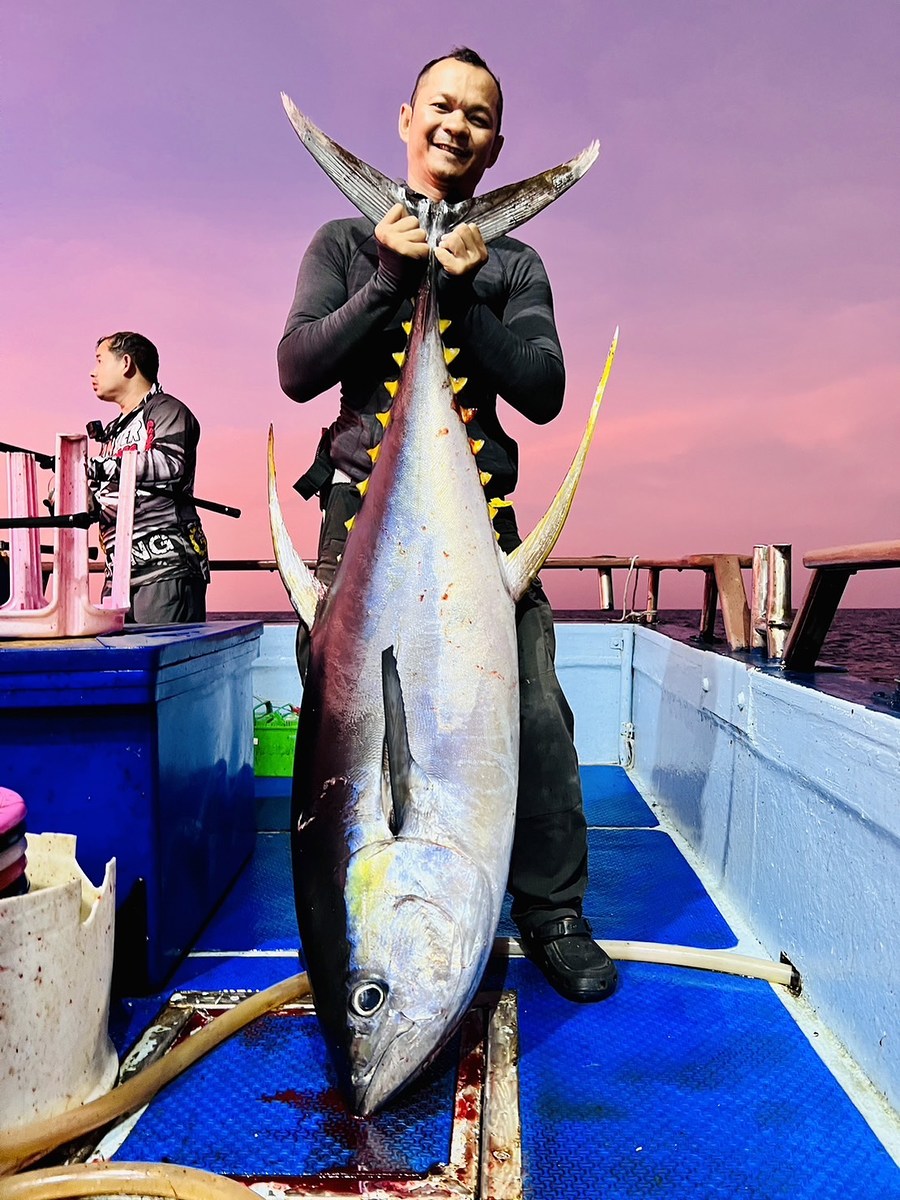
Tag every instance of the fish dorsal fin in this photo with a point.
(401, 765)
(497, 212)
(526, 560)
(365, 187)
(302, 586)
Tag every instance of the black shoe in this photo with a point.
(571, 960)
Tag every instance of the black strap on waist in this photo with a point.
(314, 479)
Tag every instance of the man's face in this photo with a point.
(451, 130)
(109, 373)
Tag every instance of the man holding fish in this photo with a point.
(354, 293)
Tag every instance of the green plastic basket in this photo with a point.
(274, 737)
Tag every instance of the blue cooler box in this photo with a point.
(141, 744)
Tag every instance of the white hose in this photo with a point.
(725, 961)
(122, 1179)
(25, 1145)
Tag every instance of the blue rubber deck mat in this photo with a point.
(258, 911)
(267, 1102)
(610, 798)
(129, 1016)
(273, 803)
(684, 1084)
(641, 888)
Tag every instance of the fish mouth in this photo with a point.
(372, 1089)
(369, 1091)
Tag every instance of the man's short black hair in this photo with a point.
(144, 354)
(466, 55)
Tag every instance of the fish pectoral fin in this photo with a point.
(401, 765)
(497, 212)
(523, 564)
(304, 589)
(372, 193)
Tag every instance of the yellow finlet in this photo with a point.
(443, 325)
(458, 384)
(363, 486)
(400, 357)
(485, 477)
(348, 525)
(384, 418)
(449, 354)
(467, 414)
(391, 386)
(475, 446)
(373, 453)
(407, 327)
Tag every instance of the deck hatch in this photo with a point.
(265, 1108)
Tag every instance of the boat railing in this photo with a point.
(722, 574)
(831, 569)
(762, 625)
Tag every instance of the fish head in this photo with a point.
(421, 919)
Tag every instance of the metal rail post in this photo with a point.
(778, 602)
(759, 600)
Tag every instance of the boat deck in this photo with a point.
(685, 1083)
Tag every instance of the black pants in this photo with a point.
(168, 602)
(548, 871)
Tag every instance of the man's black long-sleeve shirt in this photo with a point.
(346, 323)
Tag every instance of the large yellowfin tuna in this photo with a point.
(406, 768)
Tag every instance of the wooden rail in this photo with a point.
(722, 583)
(831, 569)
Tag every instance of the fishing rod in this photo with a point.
(93, 552)
(81, 520)
(48, 463)
(96, 433)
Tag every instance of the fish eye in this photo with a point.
(368, 997)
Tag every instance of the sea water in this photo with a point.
(865, 642)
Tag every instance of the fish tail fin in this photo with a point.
(523, 564)
(304, 589)
(372, 193)
(497, 212)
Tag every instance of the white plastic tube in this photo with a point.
(725, 961)
(25, 1145)
(122, 1179)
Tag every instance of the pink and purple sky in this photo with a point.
(741, 226)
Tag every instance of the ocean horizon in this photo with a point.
(864, 642)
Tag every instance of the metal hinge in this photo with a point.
(627, 748)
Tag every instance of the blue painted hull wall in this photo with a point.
(790, 799)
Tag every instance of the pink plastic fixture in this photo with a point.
(67, 610)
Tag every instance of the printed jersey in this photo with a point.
(168, 539)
